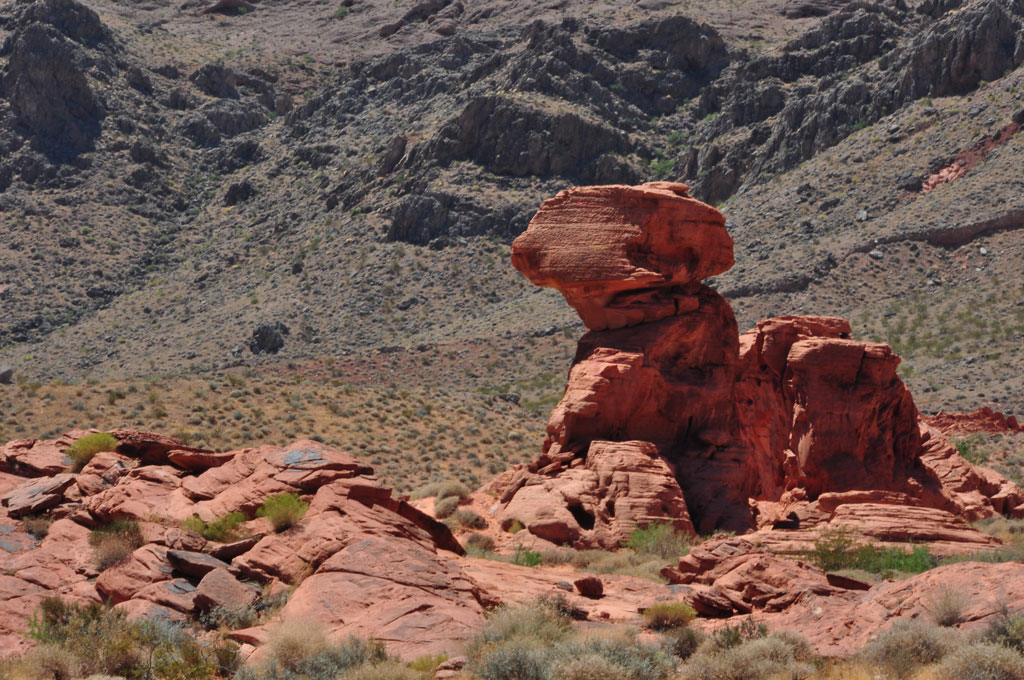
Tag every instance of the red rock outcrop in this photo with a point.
(624, 255)
(755, 429)
(362, 562)
(982, 420)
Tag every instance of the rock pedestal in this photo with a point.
(670, 415)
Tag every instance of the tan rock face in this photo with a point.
(755, 429)
(624, 255)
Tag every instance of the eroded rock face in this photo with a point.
(792, 422)
(361, 561)
(624, 255)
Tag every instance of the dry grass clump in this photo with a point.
(478, 544)
(775, 655)
(300, 651)
(536, 641)
(666, 615)
(445, 507)
(114, 542)
(985, 661)
(947, 608)
(467, 519)
(440, 490)
(909, 645)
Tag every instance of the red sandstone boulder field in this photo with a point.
(360, 561)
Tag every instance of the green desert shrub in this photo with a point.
(982, 662)
(222, 529)
(84, 448)
(909, 644)
(682, 642)
(536, 642)
(665, 615)
(519, 659)
(467, 519)
(441, 490)
(91, 639)
(769, 657)
(478, 544)
(114, 542)
(625, 652)
(729, 636)
(387, 670)
(587, 667)
(838, 549)
(661, 539)
(445, 507)
(1007, 631)
(298, 651)
(283, 510)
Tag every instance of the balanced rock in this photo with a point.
(736, 432)
(624, 255)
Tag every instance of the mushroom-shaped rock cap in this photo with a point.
(623, 255)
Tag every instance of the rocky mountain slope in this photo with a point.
(173, 177)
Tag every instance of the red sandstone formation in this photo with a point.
(961, 424)
(624, 255)
(757, 430)
(967, 159)
(365, 563)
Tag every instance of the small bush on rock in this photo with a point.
(283, 510)
(222, 529)
(982, 662)
(947, 608)
(84, 448)
(665, 615)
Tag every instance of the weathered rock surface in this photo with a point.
(620, 486)
(369, 564)
(624, 255)
(793, 422)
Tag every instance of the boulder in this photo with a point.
(37, 495)
(589, 586)
(145, 566)
(195, 564)
(220, 589)
(36, 457)
(623, 255)
(177, 594)
(621, 486)
(268, 338)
